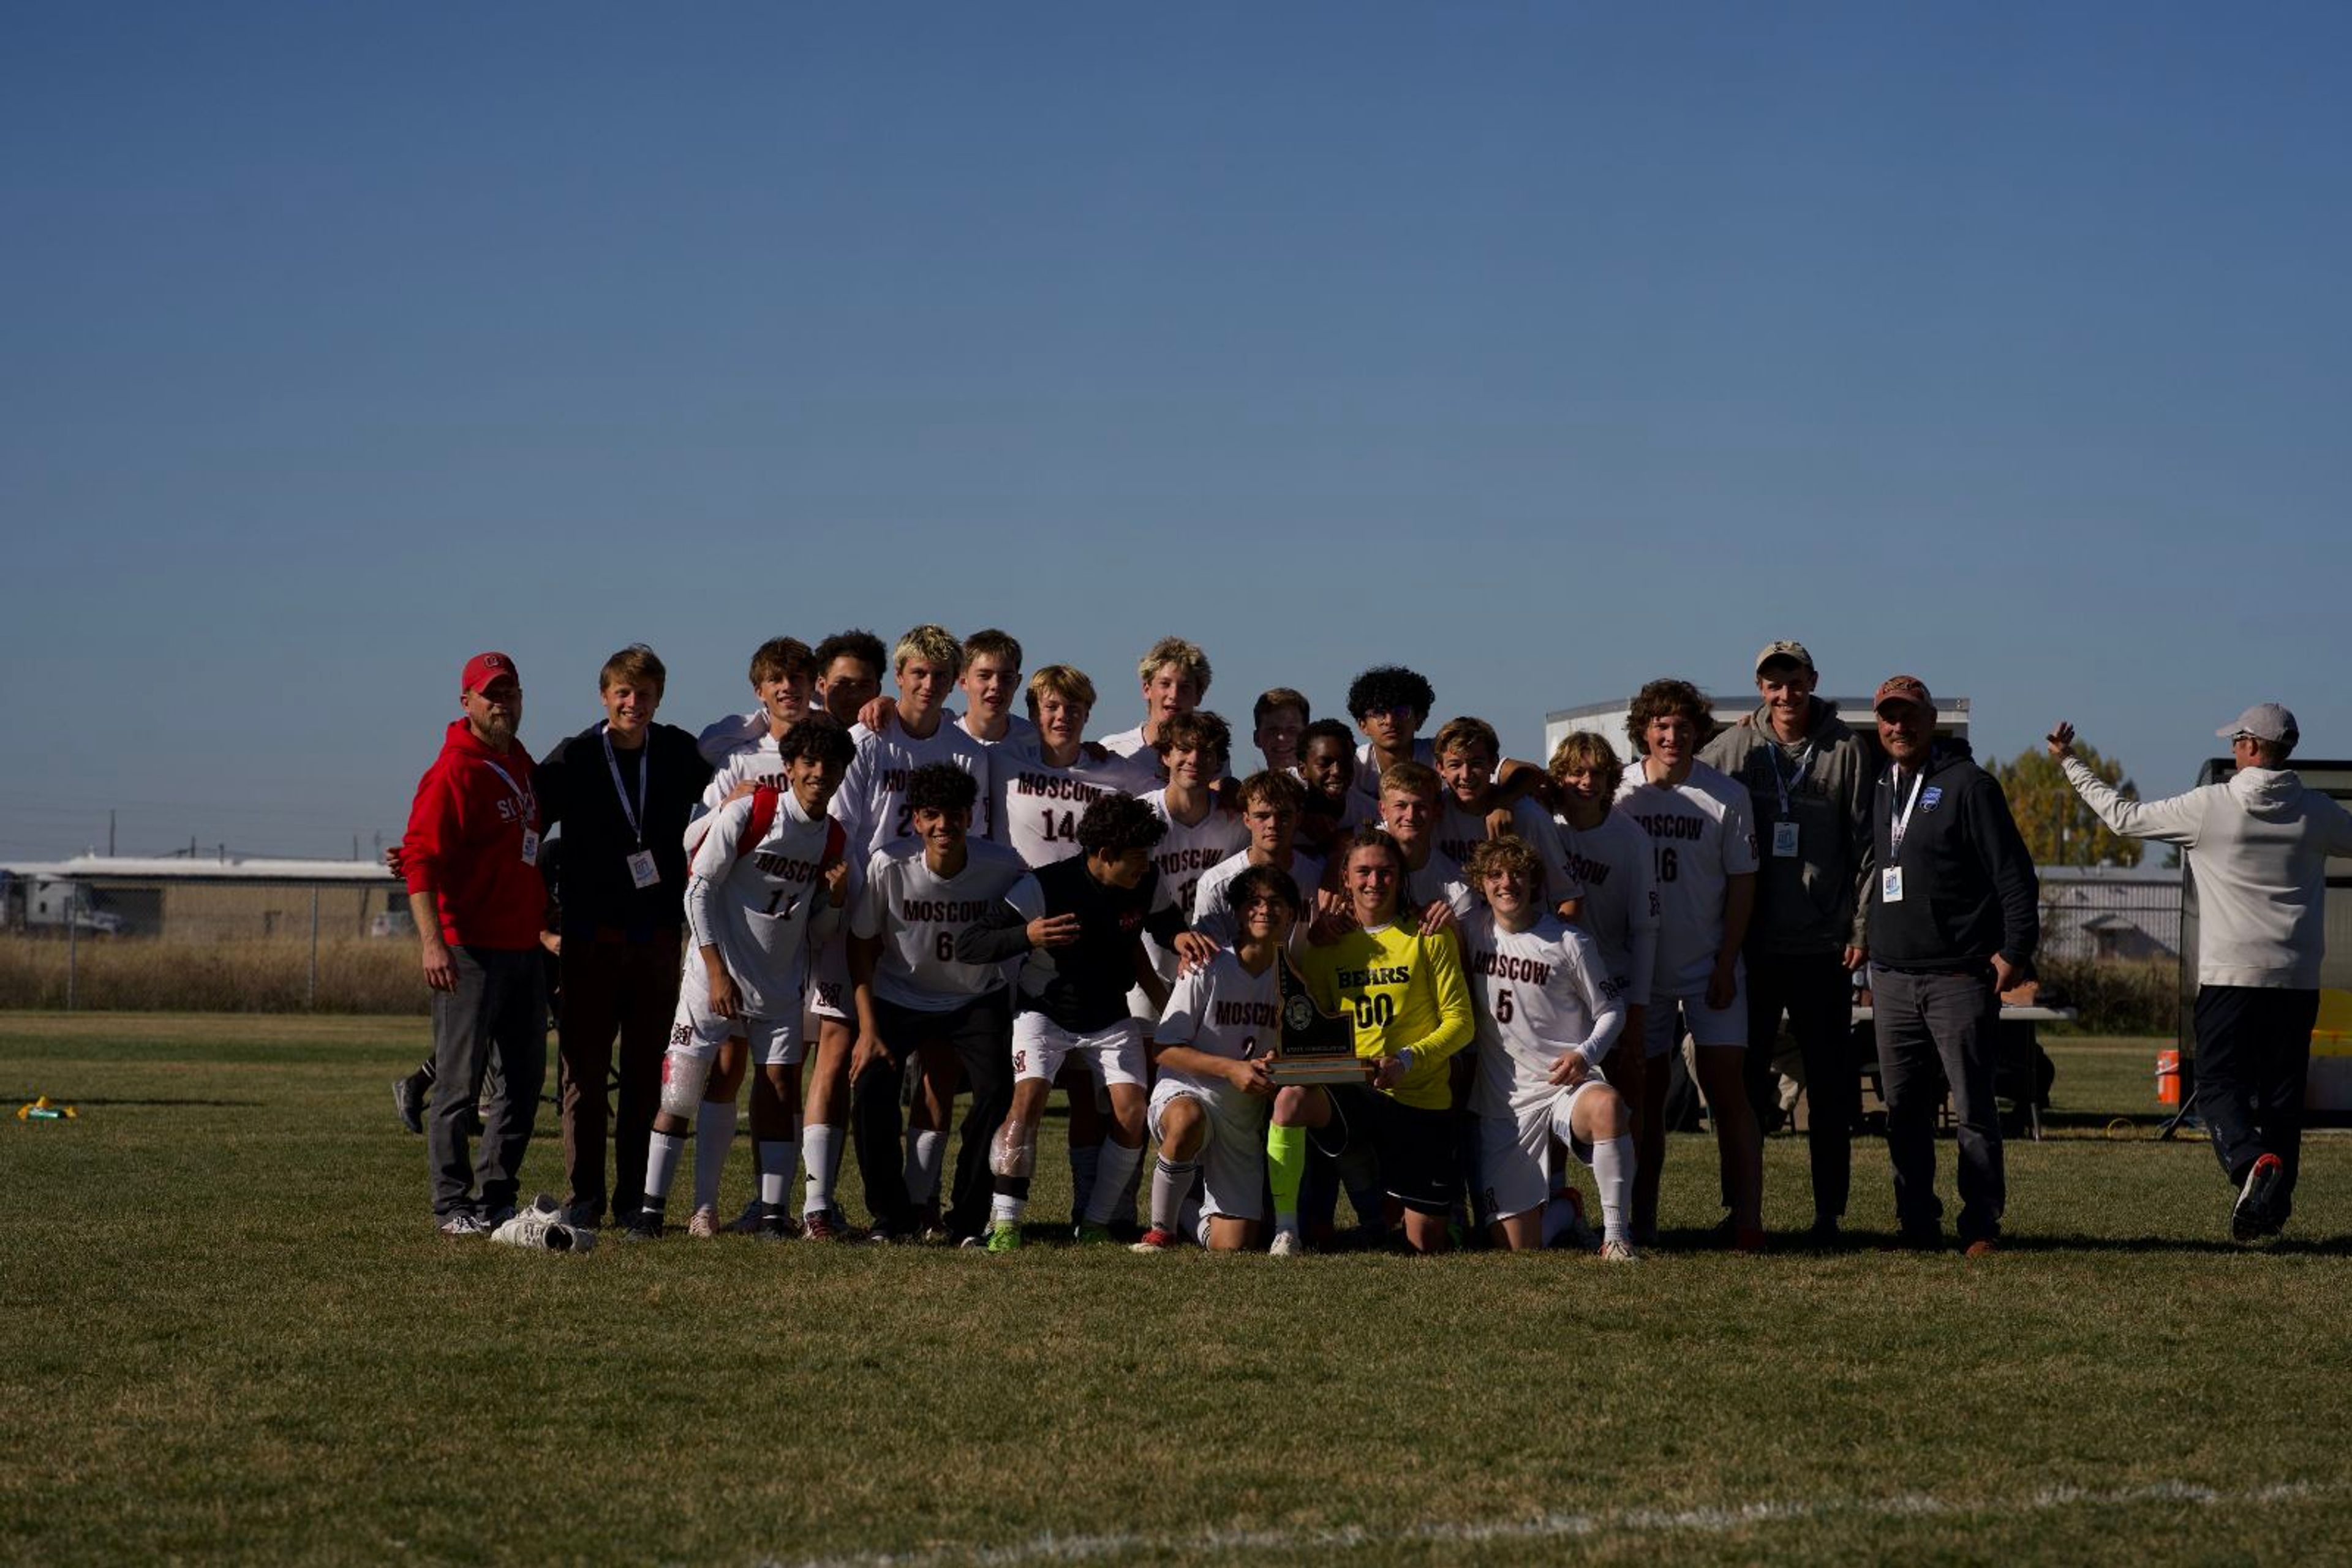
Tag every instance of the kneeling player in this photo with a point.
(1080, 923)
(1209, 1109)
(1402, 989)
(767, 875)
(1548, 1013)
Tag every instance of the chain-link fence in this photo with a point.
(249, 946)
(2111, 947)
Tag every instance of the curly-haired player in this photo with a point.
(1080, 923)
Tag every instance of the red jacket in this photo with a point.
(465, 840)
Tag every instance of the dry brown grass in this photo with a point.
(356, 974)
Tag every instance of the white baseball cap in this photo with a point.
(2264, 721)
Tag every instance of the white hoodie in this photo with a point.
(2261, 842)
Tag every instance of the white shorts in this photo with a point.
(1114, 1055)
(828, 981)
(1514, 1165)
(697, 1032)
(1667, 1019)
(1233, 1159)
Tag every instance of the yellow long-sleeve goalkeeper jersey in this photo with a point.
(1402, 991)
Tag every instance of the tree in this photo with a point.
(2058, 829)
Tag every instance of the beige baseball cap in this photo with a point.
(1784, 649)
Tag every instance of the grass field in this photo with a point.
(230, 1333)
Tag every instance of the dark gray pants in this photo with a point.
(1816, 990)
(499, 1008)
(1925, 1021)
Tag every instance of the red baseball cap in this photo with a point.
(485, 667)
(1903, 689)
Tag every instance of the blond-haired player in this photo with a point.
(1175, 677)
(1547, 1014)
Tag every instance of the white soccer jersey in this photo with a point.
(919, 914)
(1221, 1009)
(1368, 769)
(1699, 838)
(1621, 898)
(1213, 912)
(1440, 877)
(1019, 733)
(1540, 994)
(872, 806)
(1038, 805)
(1129, 743)
(726, 736)
(1187, 853)
(756, 892)
(1459, 831)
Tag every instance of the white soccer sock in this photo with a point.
(1172, 1184)
(1613, 1169)
(1118, 1163)
(778, 1156)
(925, 1148)
(1004, 1208)
(714, 1135)
(821, 1152)
(1084, 1161)
(661, 1168)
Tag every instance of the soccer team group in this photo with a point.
(873, 908)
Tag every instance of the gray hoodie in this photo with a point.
(2258, 845)
(1808, 902)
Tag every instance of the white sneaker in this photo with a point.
(1619, 1251)
(703, 1223)
(1287, 1245)
(543, 1226)
(463, 1224)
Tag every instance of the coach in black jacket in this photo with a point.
(1954, 920)
(624, 790)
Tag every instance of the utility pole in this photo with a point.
(109, 833)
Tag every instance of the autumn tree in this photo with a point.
(2058, 829)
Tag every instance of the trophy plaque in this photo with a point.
(1316, 1047)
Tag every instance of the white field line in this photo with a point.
(1607, 1523)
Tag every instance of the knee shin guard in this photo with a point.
(682, 1076)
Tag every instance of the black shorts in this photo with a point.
(1415, 1147)
(983, 1025)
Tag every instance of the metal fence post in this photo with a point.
(73, 940)
(311, 1000)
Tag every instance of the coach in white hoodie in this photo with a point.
(2259, 844)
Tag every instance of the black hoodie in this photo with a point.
(1969, 886)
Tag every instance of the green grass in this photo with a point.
(229, 1333)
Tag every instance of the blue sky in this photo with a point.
(1545, 347)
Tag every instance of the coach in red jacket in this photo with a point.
(471, 858)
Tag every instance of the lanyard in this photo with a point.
(1793, 780)
(627, 810)
(1898, 821)
(522, 801)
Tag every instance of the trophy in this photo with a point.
(1316, 1047)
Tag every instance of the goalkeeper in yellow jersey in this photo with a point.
(1404, 994)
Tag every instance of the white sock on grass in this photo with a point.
(778, 1158)
(925, 1149)
(821, 1152)
(1171, 1185)
(1118, 1163)
(661, 1168)
(1613, 1169)
(714, 1135)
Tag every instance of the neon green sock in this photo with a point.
(1285, 1168)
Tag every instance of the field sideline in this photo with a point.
(230, 1333)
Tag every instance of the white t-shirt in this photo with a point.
(1368, 769)
(1019, 733)
(1222, 1010)
(1538, 994)
(1440, 877)
(1699, 840)
(1614, 861)
(919, 914)
(1459, 831)
(758, 900)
